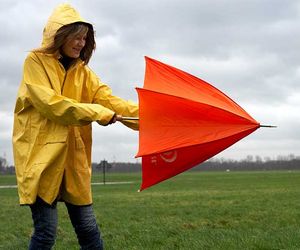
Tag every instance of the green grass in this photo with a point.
(195, 210)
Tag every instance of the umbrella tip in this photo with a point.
(267, 126)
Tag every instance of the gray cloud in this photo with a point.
(247, 49)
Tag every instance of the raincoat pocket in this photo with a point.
(80, 155)
(46, 167)
(45, 138)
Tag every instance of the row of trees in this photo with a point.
(256, 163)
(289, 162)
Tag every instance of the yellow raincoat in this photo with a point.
(52, 134)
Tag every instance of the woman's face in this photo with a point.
(74, 45)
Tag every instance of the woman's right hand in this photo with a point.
(116, 118)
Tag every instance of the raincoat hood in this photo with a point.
(62, 15)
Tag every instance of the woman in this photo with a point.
(58, 99)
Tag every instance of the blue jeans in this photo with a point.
(45, 223)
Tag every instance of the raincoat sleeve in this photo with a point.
(103, 95)
(56, 107)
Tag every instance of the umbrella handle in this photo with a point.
(124, 118)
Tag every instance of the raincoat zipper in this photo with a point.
(63, 84)
(66, 74)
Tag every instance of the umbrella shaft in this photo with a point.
(130, 118)
(268, 126)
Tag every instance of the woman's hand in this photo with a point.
(116, 118)
(119, 118)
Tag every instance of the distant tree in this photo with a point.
(258, 159)
(249, 158)
(3, 162)
(104, 165)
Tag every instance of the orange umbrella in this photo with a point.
(183, 122)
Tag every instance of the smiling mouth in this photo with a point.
(77, 50)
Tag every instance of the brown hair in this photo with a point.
(69, 31)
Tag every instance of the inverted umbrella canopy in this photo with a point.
(183, 122)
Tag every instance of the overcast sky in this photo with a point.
(249, 49)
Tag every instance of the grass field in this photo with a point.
(195, 210)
